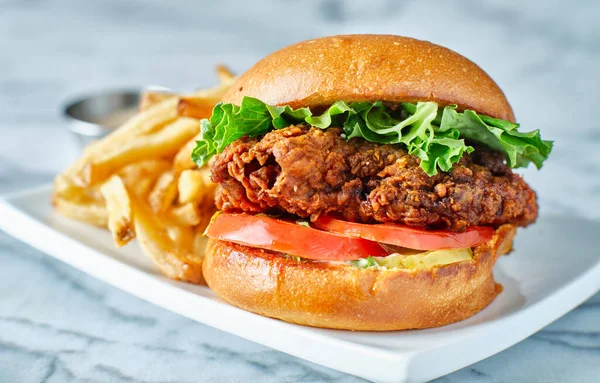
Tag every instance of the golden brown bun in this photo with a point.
(345, 297)
(370, 68)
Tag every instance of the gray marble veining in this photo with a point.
(57, 324)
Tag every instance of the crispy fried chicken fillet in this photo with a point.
(308, 172)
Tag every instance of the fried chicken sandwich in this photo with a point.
(365, 183)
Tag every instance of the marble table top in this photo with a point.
(58, 324)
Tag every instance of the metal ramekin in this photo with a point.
(87, 114)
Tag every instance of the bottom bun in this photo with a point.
(342, 296)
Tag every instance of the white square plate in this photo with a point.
(554, 268)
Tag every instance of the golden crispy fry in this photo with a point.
(191, 185)
(164, 143)
(195, 185)
(200, 241)
(66, 189)
(225, 74)
(139, 177)
(130, 180)
(207, 213)
(183, 158)
(149, 98)
(170, 247)
(186, 215)
(205, 174)
(199, 105)
(118, 204)
(164, 192)
(196, 107)
(226, 77)
(216, 92)
(87, 153)
(144, 122)
(208, 194)
(182, 236)
(85, 210)
(144, 186)
(208, 198)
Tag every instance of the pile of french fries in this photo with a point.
(140, 181)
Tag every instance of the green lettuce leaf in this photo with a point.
(521, 148)
(365, 263)
(436, 136)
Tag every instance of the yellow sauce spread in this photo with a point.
(424, 260)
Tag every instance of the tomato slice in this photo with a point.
(290, 238)
(405, 236)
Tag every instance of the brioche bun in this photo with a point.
(341, 296)
(389, 68)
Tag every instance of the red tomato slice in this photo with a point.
(290, 238)
(409, 237)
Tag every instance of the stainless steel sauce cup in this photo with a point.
(93, 116)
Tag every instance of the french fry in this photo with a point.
(140, 181)
(182, 236)
(170, 248)
(208, 198)
(140, 176)
(164, 192)
(205, 174)
(89, 211)
(195, 185)
(66, 189)
(208, 194)
(191, 184)
(225, 74)
(200, 105)
(118, 204)
(216, 92)
(200, 241)
(164, 143)
(149, 98)
(144, 186)
(145, 122)
(87, 153)
(183, 158)
(197, 107)
(186, 215)
(206, 216)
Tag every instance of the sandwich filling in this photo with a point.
(392, 168)
(309, 172)
(418, 261)
(435, 135)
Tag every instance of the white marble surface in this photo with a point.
(57, 324)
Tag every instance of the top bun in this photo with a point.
(370, 68)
